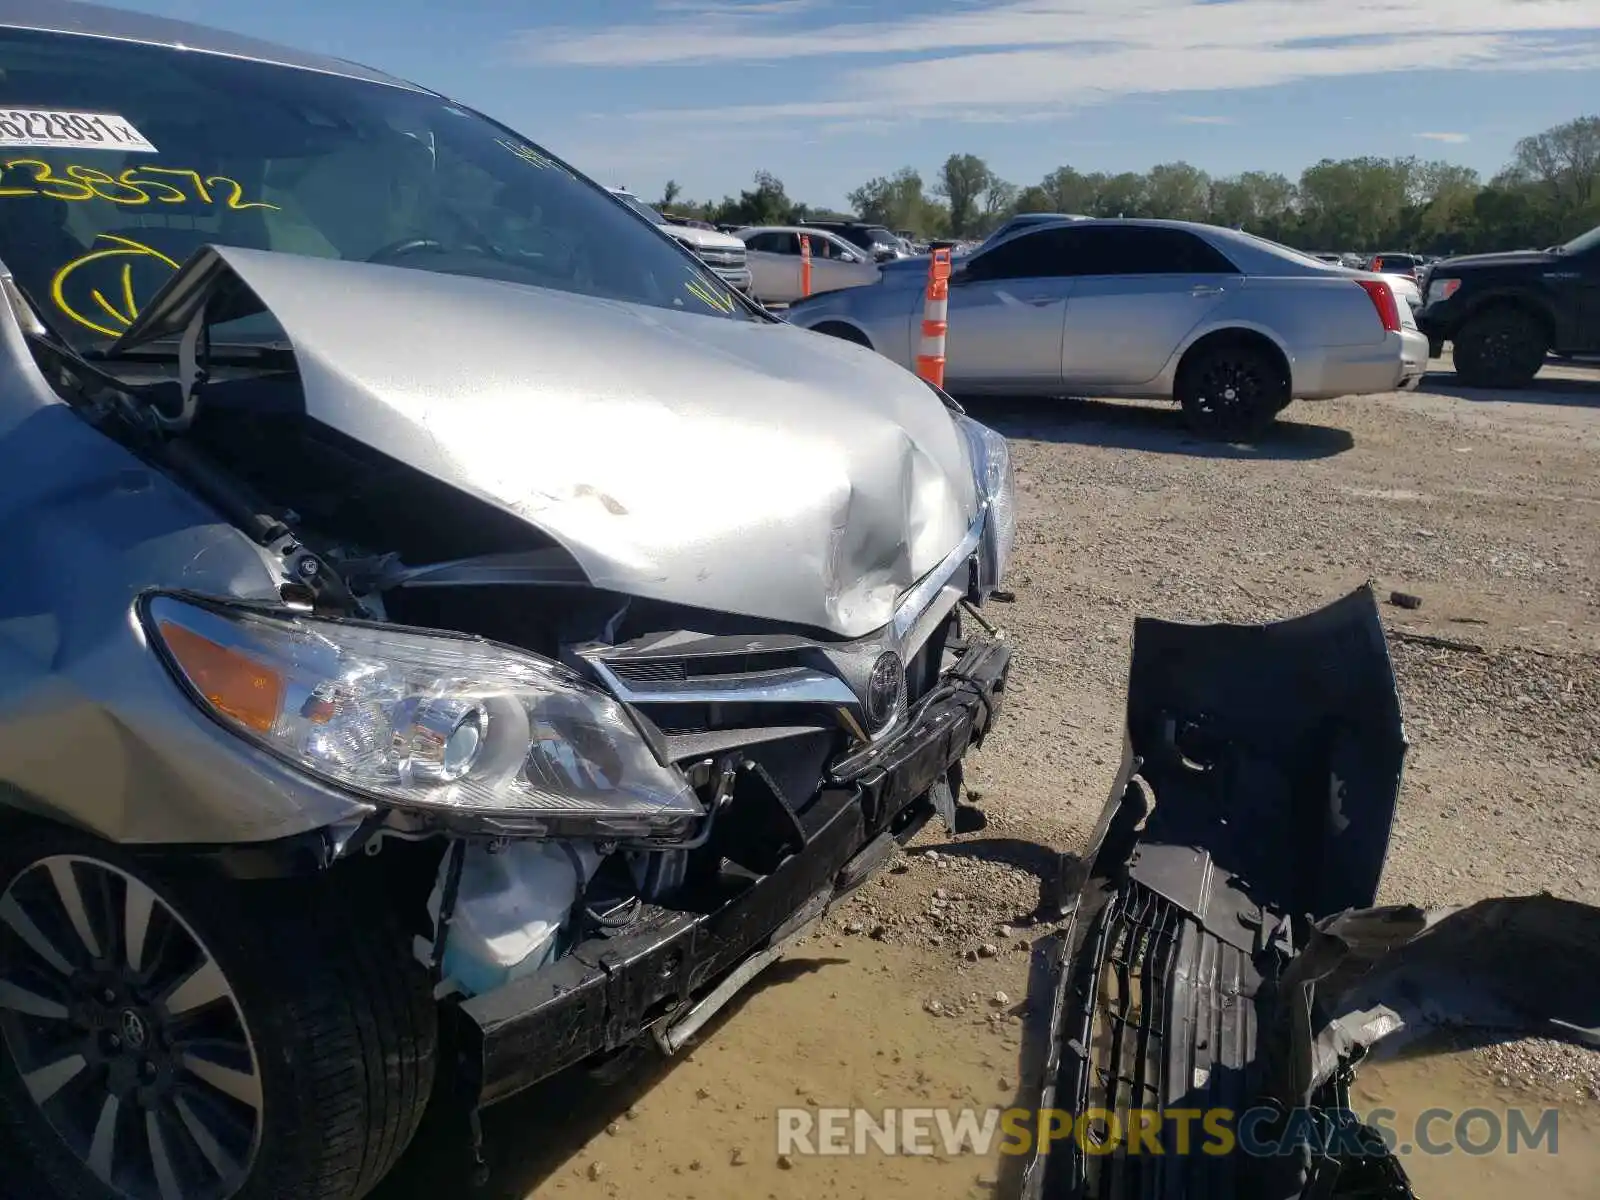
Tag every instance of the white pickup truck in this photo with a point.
(723, 253)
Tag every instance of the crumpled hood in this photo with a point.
(738, 466)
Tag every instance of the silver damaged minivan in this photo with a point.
(440, 621)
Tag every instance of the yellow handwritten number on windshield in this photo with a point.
(114, 314)
(133, 186)
(46, 182)
(711, 297)
(526, 153)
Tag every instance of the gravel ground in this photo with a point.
(1485, 507)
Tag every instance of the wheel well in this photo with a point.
(1234, 337)
(1512, 304)
(20, 815)
(843, 331)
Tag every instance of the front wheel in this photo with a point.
(167, 1040)
(1232, 390)
(1502, 348)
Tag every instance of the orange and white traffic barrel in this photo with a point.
(935, 319)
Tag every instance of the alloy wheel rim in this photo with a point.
(127, 1036)
(1228, 388)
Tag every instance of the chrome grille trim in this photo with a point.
(666, 678)
(723, 258)
(790, 685)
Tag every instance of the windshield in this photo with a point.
(1008, 228)
(1022, 221)
(1584, 241)
(118, 161)
(640, 207)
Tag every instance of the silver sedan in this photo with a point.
(1231, 326)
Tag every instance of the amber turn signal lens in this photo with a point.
(235, 685)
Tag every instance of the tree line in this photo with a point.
(1550, 191)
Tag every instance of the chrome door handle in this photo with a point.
(1041, 301)
(1205, 289)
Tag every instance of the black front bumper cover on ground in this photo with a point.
(1222, 957)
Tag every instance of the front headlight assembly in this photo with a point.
(991, 464)
(455, 727)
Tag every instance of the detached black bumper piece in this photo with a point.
(610, 990)
(1259, 778)
(1223, 971)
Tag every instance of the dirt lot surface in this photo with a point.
(1485, 506)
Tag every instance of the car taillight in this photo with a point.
(1382, 297)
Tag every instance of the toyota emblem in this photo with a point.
(885, 687)
(135, 1033)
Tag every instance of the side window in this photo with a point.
(1044, 253)
(775, 243)
(1150, 250)
(1135, 250)
(1195, 256)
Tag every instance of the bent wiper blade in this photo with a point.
(223, 353)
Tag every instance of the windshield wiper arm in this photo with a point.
(274, 355)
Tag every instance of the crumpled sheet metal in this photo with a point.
(736, 466)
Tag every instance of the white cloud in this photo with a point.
(1454, 139)
(995, 58)
(1202, 119)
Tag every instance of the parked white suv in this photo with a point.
(723, 253)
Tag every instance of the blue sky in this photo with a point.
(827, 93)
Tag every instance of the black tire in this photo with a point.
(845, 333)
(1232, 389)
(1500, 348)
(339, 1032)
